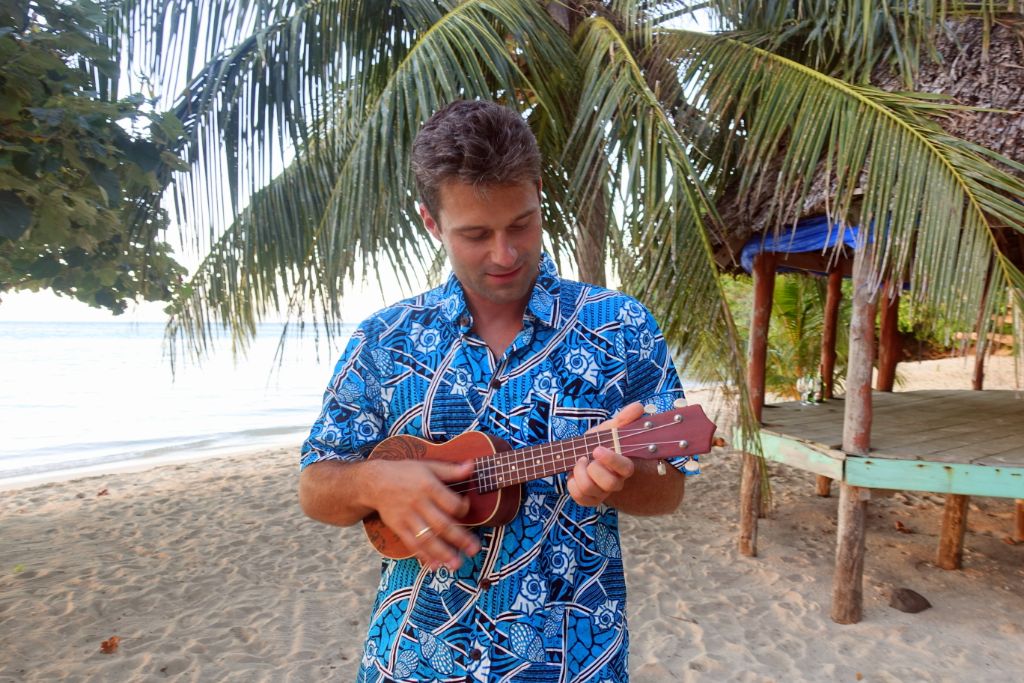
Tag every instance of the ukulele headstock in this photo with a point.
(683, 431)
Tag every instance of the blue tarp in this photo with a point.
(811, 234)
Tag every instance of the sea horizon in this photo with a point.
(80, 396)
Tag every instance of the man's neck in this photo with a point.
(497, 324)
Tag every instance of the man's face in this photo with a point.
(493, 239)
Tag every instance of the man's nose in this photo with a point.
(505, 251)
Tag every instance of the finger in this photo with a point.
(451, 471)
(455, 535)
(431, 550)
(619, 464)
(581, 487)
(443, 496)
(445, 547)
(604, 480)
(631, 413)
(418, 538)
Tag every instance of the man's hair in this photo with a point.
(478, 143)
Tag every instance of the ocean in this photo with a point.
(79, 397)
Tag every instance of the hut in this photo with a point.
(925, 441)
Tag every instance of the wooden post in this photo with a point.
(848, 580)
(951, 539)
(834, 296)
(828, 337)
(980, 342)
(823, 486)
(889, 348)
(1018, 533)
(750, 482)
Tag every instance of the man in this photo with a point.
(509, 348)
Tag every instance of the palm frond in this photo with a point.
(930, 199)
(667, 261)
(347, 200)
(848, 38)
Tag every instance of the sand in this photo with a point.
(207, 571)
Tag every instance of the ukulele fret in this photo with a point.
(508, 468)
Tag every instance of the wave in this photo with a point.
(64, 459)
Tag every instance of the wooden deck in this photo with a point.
(961, 442)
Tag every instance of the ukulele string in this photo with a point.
(559, 464)
(492, 466)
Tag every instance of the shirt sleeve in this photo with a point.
(352, 419)
(652, 378)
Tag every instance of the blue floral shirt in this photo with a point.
(545, 599)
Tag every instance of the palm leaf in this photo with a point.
(667, 261)
(933, 199)
(849, 38)
(347, 198)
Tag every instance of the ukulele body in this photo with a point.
(493, 508)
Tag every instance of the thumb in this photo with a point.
(451, 471)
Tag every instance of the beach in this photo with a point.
(208, 571)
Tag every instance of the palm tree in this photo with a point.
(308, 109)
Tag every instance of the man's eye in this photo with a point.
(474, 236)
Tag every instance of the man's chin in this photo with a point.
(509, 293)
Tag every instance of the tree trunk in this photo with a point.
(764, 289)
(848, 580)
(750, 485)
(591, 241)
(857, 409)
(750, 504)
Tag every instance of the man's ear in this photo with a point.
(428, 222)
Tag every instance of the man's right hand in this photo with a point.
(409, 495)
(413, 500)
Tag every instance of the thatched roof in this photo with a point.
(968, 75)
(972, 78)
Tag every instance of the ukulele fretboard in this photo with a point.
(536, 462)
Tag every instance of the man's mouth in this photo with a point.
(506, 276)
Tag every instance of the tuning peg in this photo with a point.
(650, 409)
(679, 403)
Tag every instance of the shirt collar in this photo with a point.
(541, 306)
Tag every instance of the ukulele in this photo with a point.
(494, 490)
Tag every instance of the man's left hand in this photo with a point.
(592, 481)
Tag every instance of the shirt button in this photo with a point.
(464, 321)
(475, 655)
(485, 583)
(495, 384)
